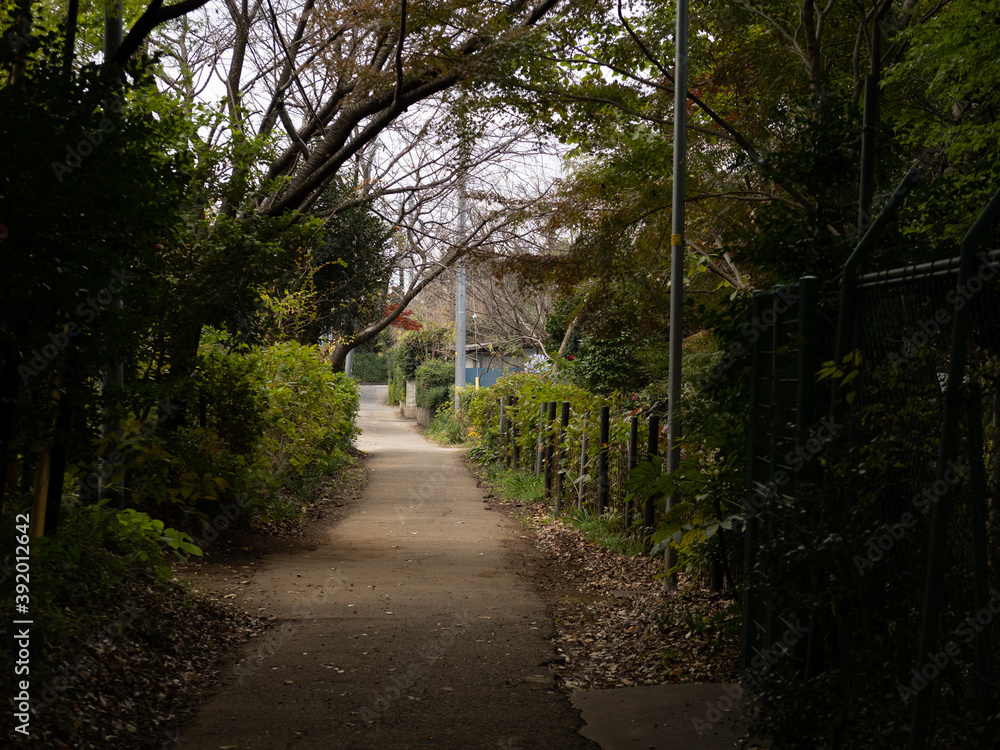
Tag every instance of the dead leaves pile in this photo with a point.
(617, 627)
(129, 684)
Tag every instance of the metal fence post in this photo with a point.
(649, 508)
(538, 442)
(979, 521)
(560, 456)
(633, 459)
(936, 555)
(583, 462)
(602, 461)
(503, 427)
(549, 440)
(512, 429)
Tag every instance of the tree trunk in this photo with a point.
(339, 355)
(10, 382)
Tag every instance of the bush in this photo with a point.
(179, 475)
(100, 596)
(435, 381)
(531, 390)
(608, 365)
(229, 395)
(312, 410)
(705, 528)
(370, 368)
(397, 383)
(293, 420)
(412, 349)
(83, 572)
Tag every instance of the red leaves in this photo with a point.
(406, 320)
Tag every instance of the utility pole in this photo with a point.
(460, 302)
(463, 179)
(115, 378)
(677, 266)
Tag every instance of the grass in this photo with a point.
(520, 486)
(606, 531)
(447, 428)
(515, 485)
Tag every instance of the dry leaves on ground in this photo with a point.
(131, 684)
(617, 626)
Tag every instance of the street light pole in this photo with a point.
(115, 377)
(677, 266)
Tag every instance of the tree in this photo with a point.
(346, 275)
(950, 88)
(92, 188)
(504, 315)
(356, 93)
(775, 125)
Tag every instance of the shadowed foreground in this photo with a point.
(411, 628)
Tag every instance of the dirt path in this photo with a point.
(412, 627)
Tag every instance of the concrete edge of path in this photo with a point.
(689, 717)
(686, 717)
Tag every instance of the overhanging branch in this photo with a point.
(152, 17)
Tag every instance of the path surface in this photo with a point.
(411, 628)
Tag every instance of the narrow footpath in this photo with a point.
(412, 627)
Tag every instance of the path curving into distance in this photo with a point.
(412, 627)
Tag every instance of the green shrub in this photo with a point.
(397, 384)
(180, 475)
(532, 390)
(705, 527)
(411, 350)
(435, 380)
(85, 566)
(608, 365)
(312, 410)
(307, 419)
(228, 393)
(370, 368)
(89, 584)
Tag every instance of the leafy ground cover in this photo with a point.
(617, 626)
(143, 651)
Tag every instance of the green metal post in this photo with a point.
(602, 462)
(649, 511)
(633, 459)
(549, 440)
(561, 455)
(860, 254)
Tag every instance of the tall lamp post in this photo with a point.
(677, 265)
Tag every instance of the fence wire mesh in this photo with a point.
(839, 600)
(903, 328)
